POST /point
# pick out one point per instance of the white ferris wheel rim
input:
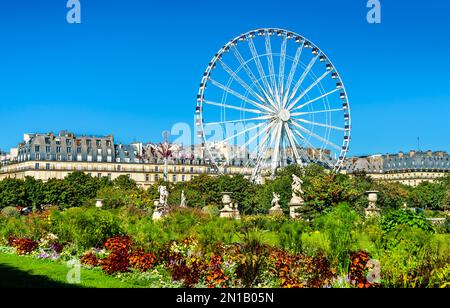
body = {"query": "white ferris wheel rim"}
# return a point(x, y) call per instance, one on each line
point(286, 113)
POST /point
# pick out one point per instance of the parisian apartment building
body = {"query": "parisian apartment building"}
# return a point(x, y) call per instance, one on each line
point(49, 155)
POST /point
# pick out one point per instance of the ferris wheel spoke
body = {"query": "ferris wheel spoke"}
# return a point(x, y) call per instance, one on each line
point(233, 107)
point(291, 139)
point(249, 72)
point(308, 132)
point(266, 117)
point(292, 73)
point(262, 152)
point(240, 96)
point(294, 102)
point(244, 131)
point(276, 150)
point(320, 124)
point(305, 142)
point(312, 148)
point(303, 76)
point(296, 114)
point(259, 67)
point(271, 66)
point(315, 99)
point(263, 131)
point(240, 81)
point(282, 66)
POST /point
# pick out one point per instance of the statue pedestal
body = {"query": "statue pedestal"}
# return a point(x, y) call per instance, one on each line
point(276, 211)
point(294, 205)
point(372, 210)
point(227, 212)
point(159, 212)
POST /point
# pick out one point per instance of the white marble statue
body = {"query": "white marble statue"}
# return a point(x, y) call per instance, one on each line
point(275, 200)
point(297, 191)
point(183, 199)
point(163, 194)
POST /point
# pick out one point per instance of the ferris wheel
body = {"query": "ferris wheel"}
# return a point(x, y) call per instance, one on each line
point(270, 98)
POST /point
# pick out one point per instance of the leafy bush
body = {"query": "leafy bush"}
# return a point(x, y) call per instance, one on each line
point(116, 262)
point(359, 270)
point(23, 245)
point(404, 217)
point(290, 236)
point(410, 257)
point(10, 211)
point(216, 277)
point(338, 226)
point(85, 227)
point(89, 259)
point(142, 261)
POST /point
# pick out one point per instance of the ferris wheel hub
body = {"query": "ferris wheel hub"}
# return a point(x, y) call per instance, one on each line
point(284, 115)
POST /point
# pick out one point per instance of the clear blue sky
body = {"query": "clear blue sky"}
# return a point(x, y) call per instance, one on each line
point(132, 68)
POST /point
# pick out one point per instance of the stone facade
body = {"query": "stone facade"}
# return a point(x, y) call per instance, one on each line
point(410, 169)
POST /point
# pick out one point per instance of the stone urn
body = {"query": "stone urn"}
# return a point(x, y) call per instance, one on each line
point(99, 203)
point(227, 211)
point(372, 210)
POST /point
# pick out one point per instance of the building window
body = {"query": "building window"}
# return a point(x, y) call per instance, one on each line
point(89, 158)
point(156, 168)
point(156, 178)
point(36, 166)
point(69, 157)
point(36, 148)
point(99, 175)
point(58, 149)
point(88, 142)
point(78, 149)
point(98, 143)
point(47, 140)
point(89, 150)
point(99, 151)
point(58, 142)
point(58, 157)
point(108, 143)
point(182, 178)
point(99, 158)
point(109, 159)
point(37, 156)
point(192, 169)
point(68, 142)
point(49, 157)
point(109, 176)
point(69, 150)
point(174, 178)
point(47, 166)
point(147, 177)
point(47, 149)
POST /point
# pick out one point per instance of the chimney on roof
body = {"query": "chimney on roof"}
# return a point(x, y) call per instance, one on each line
point(400, 154)
point(412, 153)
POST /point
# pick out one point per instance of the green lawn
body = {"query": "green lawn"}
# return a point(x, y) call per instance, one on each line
point(27, 272)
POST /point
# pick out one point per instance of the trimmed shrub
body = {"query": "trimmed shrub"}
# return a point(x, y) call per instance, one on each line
point(10, 211)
